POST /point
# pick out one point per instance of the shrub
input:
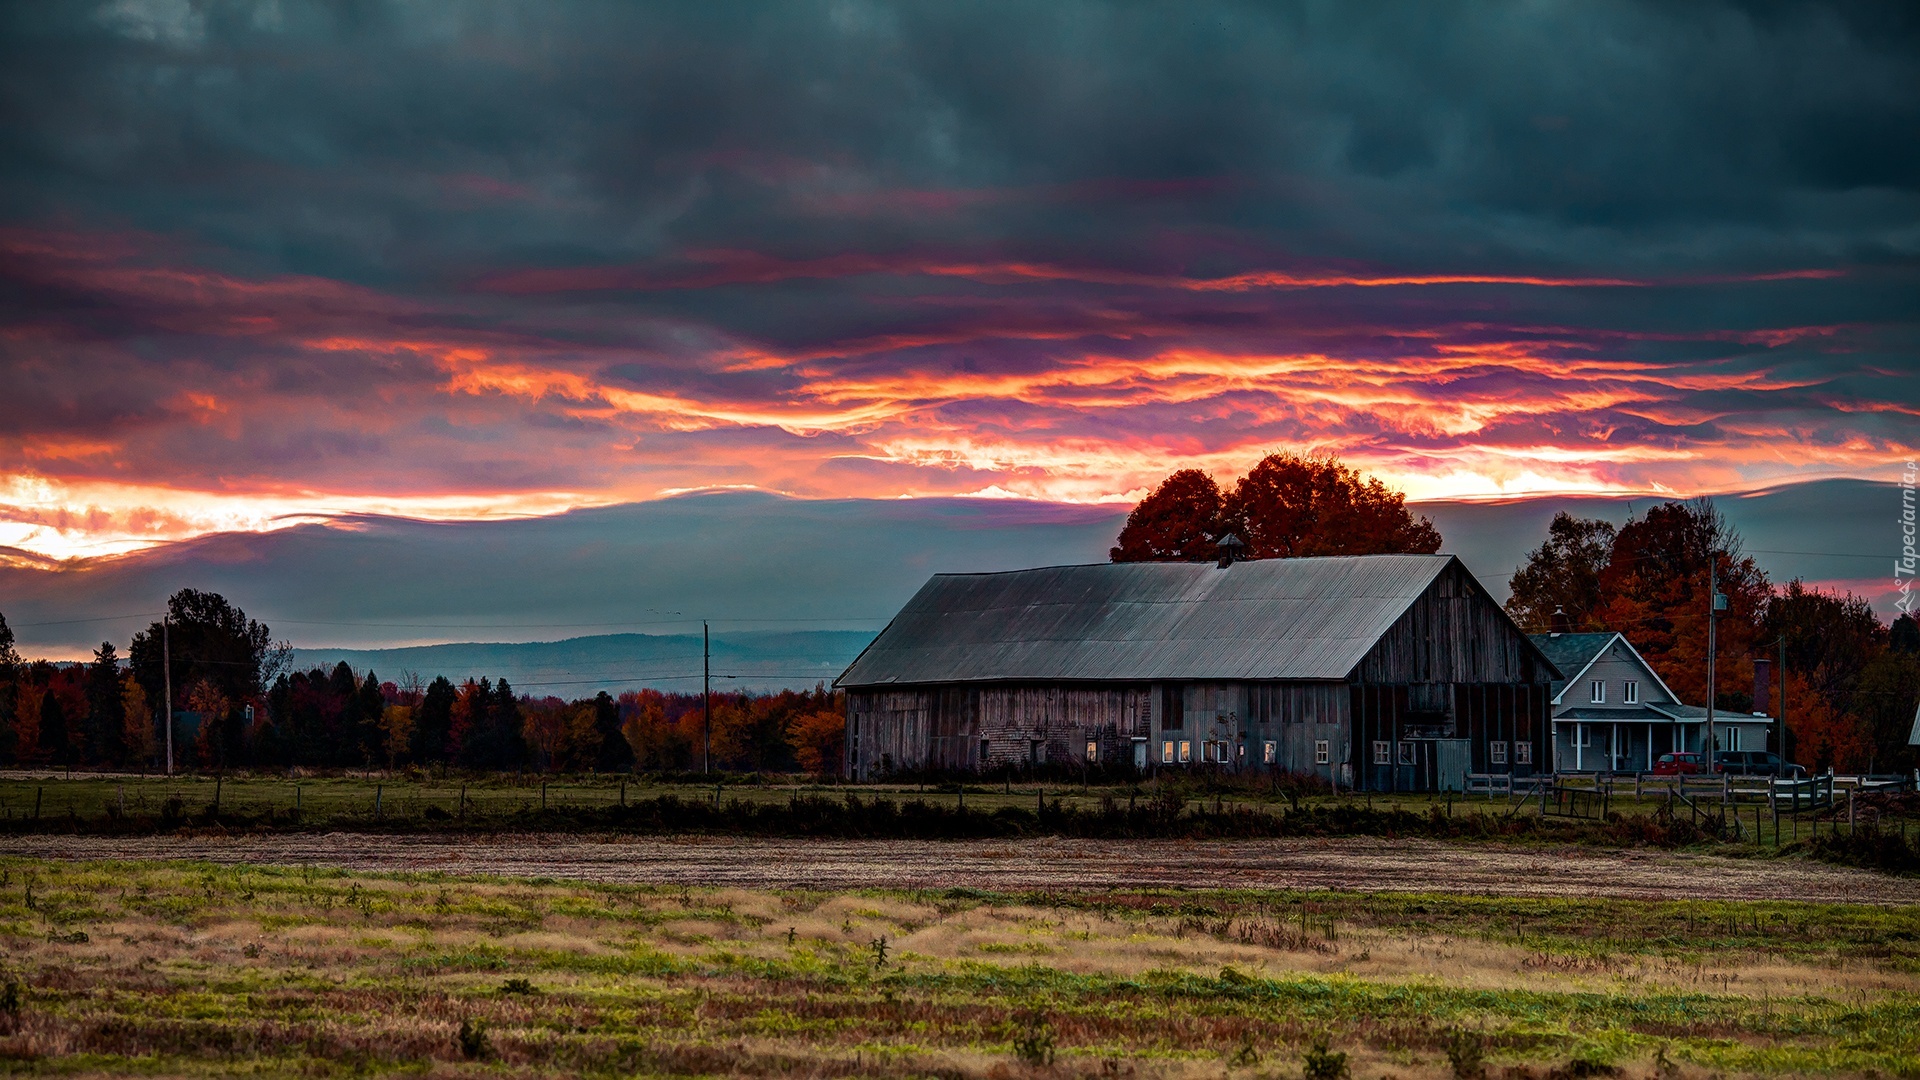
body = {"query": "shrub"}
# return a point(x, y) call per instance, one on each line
point(1033, 1044)
point(1320, 1063)
point(472, 1038)
point(1466, 1052)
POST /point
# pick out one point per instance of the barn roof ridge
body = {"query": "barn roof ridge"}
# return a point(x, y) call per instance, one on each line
point(1311, 618)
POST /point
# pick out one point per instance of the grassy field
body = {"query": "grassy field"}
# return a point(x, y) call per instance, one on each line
point(41, 803)
point(186, 969)
point(358, 800)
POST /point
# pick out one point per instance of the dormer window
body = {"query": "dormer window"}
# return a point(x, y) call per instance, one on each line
point(1630, 692)
point(1597, 693)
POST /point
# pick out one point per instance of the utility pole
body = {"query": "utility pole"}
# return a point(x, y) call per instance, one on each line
point(166, 662)
point(706, 694)
point(1713, 613)
point(1780, 719)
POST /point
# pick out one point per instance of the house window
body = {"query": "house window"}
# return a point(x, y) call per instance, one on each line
point(1093, 751)
point(1523, 753)
point(1320, 752)
point(1497, 753)
point(1186, 751)
point(1382, 752)
point(1630, 692)
point(1582, 737)
point(1166, 750)
point(1733, 738)
point(1406, 753)
point(1269, 752)
point(1598, 692)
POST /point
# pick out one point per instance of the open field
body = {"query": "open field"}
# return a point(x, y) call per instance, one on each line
point(1046, 863)
point(200, 969)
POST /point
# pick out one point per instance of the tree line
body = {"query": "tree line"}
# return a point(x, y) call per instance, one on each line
point(238, 704)
point(1851, 681)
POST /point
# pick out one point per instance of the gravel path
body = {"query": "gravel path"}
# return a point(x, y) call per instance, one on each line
point(1049, 863)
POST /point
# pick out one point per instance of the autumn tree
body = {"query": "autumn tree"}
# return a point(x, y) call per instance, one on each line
point(819, 739)
point(137, 734)
point(657, 742)
point(1831, 640)
point(1287, 506)
point(1563, 575)
point(1290, 506)
point(1178, 522)
point(1655, 584)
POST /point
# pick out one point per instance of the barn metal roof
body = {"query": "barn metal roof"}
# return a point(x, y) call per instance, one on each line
point(1312, 618)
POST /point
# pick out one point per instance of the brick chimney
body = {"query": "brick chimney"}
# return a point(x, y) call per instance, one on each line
point(1763, 686)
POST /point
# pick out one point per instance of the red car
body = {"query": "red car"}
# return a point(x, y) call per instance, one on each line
point(1685, 762)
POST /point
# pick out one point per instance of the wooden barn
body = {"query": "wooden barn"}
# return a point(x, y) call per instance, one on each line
point(1382, 672)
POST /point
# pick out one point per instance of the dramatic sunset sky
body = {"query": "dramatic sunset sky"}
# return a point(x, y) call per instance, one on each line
point(266, 262)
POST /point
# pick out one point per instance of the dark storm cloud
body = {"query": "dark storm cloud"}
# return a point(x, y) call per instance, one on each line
point(596, 251)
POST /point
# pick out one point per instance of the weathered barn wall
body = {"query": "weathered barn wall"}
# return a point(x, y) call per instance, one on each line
point(1452, 633)
point(980, 727)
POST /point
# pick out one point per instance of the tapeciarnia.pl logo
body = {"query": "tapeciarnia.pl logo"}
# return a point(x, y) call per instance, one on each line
point(1904, 565)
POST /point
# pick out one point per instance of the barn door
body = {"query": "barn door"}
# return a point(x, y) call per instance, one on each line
point(1452, 760)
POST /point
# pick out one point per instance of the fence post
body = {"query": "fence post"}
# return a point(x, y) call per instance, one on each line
point(377, 788)
point(463, 802)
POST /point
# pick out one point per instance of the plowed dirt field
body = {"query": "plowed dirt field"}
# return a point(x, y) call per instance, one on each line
point(1051, 863)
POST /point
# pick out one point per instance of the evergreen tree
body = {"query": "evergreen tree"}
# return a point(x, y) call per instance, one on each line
point(433, 723)
point(106, 708)
point(55, 742)
point(613, 754)
point(505, 717)
point(371, 704)
point(9, 694)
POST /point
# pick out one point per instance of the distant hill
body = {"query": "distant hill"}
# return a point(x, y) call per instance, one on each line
point(750, 561)
point(583, 666)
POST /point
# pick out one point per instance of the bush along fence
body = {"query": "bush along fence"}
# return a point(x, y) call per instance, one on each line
point(1165, 814)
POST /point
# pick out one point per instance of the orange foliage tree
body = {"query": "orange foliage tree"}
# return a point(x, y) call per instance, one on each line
point(1286, 506)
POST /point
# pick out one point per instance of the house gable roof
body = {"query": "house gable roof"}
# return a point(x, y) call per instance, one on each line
point(1575, 653)
point(1309, 619)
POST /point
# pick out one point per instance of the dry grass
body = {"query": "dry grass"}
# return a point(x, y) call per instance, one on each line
point(182, 969)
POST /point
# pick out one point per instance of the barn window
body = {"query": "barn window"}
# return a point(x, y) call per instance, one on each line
point(1406, 753)
point(1382, 752)
point(1321, 754)
point(1497, 753)
point(1269, 753)
point(1522, 753)
point(983, 751)
point(1186, 751)
point(1597, 692)
point(1166, 750)
point(1630, 692)
point(1093, 750)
